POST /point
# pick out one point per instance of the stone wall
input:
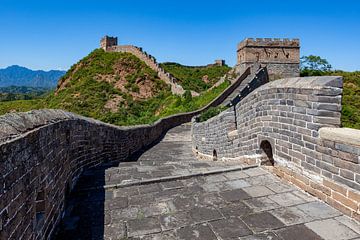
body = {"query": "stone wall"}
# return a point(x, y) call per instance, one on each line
point(151, 62)
point(333, 171)
point(282, 70)
point(289, 117)
point(43, 152)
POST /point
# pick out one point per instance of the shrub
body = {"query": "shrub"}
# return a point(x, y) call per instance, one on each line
point(187, 97)
point(211, 112)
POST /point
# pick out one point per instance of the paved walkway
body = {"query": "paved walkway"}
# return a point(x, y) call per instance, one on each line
point(169, 194)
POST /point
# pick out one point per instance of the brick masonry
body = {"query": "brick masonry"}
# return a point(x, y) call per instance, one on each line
point(43, 152)
point(293, 116)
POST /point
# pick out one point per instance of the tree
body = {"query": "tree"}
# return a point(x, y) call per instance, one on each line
point(314, 63)
point(187, 96)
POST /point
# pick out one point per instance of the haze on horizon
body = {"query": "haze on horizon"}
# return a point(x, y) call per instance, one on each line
point(56, 34)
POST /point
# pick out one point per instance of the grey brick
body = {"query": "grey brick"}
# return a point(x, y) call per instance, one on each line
point(347, 182)
point(327, 120)
point(327, 167)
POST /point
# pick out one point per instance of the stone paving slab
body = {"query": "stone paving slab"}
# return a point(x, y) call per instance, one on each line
point(245, 204)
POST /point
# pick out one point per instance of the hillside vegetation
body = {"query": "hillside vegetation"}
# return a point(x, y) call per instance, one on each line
point(12, 93)
point(351, 99)
point(316, 66)
point(116, 88)
point(197, 79)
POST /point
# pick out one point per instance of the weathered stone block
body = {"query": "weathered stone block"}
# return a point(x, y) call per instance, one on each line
point(344, 200)
point(335, 187)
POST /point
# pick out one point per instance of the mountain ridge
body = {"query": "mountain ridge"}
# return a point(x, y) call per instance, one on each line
point(16, 75)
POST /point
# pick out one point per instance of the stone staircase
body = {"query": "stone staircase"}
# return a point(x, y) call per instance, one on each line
point(256, 76)
point(151, 62)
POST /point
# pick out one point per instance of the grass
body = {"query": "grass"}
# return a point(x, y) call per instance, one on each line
point(20, 105)
point(350, 115)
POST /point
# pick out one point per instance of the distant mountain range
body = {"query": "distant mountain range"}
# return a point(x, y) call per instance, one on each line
point(20, 76)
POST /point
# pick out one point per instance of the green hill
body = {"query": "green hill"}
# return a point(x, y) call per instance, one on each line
point(198, 78)
point(116, 88)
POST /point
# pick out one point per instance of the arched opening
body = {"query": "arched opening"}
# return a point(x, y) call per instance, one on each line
point(214, 155)
point(268, 158)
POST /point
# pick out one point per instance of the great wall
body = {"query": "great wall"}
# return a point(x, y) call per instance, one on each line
point(276, 164)
point(111, 44)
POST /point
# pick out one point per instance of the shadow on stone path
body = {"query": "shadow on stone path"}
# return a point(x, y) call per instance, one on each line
point(245, 204)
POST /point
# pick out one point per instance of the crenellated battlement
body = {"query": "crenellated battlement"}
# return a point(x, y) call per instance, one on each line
point(269, 42)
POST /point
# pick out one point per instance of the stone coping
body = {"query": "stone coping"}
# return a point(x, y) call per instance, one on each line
point(305, 82)
point(344, 135)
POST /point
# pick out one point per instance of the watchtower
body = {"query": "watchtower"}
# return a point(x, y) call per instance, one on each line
point(280, 56)
point(219, 62)
point(107, 41)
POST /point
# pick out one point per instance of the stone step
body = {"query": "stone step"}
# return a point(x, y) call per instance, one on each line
point(183, 175)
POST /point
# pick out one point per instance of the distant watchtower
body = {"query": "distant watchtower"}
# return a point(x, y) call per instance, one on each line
point(281, 56)
point(220, 62)
point(107, 41)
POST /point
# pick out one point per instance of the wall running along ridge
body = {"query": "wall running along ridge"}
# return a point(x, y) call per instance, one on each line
point(43, 152)
point(151, 62)
point(299, 118)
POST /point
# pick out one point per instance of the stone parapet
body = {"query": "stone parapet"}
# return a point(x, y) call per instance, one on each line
point(299, 119)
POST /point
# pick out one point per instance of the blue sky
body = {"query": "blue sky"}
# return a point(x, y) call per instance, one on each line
point(56, 34)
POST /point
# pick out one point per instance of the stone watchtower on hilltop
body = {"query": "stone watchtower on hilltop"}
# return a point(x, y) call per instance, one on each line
point(280, 56)
point(107, 41)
